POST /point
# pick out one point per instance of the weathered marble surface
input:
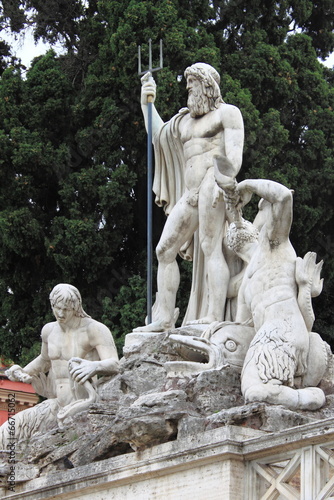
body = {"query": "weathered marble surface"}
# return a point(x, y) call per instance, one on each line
point(75, 348)
point(141, 407)
point(182, 383)
point(198, 155)
point(186, 148)
point(243, 463)
point(282, 361)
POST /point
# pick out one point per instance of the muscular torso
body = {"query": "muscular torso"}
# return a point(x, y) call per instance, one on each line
point(202, 139)
point(61, 347)
point(269, 285)
point(66, 344)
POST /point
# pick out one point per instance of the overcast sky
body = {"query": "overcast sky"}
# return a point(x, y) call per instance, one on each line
point(25, 48)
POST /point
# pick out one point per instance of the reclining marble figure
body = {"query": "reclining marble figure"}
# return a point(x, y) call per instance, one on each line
point(74, 349)
point(285, 360)
point(184, 184)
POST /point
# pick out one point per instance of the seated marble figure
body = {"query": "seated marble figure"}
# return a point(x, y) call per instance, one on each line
point(74, 349)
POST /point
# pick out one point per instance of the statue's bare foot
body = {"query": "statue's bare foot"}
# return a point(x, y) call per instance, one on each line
point(155, 327)
point(207, 320)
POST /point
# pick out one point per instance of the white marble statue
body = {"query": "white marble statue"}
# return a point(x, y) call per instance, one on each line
point(271, 340)
point(186, 149)
point(275, 294)
point(222, 345)
point(74, 349)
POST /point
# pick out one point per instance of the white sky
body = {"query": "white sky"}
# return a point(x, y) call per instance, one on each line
point(26, 49)
point(329, 61)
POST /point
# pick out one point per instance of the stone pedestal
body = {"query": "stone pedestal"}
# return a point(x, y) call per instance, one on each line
point(230, 463)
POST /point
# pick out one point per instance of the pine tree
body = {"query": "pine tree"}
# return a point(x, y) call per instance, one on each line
point(73, 143)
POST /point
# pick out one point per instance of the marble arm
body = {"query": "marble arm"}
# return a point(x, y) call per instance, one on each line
point(38, 365)
point(227, 166)
point(276, 204)
point(233, 140)
point(148, 94)
point(269, 190)
point(35, 367)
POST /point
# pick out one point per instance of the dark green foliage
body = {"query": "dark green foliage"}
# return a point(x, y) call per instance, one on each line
point(73, 143)
point(66, 199)
point(127, 310)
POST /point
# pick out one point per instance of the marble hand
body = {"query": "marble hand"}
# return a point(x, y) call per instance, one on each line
point(81, 369)
point(148, 89)
point(16, 374)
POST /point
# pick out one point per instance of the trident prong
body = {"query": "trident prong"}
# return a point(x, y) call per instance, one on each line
point(150, 68)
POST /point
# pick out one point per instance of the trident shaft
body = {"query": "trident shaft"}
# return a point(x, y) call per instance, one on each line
point(149, 175)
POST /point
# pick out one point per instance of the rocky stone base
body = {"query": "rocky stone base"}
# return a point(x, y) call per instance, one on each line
point(231, 462)
point(141, 408)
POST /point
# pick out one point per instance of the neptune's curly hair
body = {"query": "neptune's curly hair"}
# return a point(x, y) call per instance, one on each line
point(210, 80)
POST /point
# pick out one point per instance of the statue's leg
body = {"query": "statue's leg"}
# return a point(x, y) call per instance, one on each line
point(264, 375)
point(273, 392)
point(318, 360)
point(211, 234)
point(179, 228)
point(39, 418)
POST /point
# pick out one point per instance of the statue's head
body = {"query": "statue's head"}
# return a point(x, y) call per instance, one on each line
point(68, 296)
point(209, 97)
point(239, 234)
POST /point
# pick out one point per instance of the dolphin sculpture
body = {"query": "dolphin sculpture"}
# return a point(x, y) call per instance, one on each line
point(222, 345)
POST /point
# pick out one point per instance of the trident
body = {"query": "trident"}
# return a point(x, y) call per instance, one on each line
point(149, 174)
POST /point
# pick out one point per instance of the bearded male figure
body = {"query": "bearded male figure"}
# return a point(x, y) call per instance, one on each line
point(186, 150)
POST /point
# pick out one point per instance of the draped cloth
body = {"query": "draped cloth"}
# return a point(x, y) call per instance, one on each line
point(168, 187)
point(168, 182)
